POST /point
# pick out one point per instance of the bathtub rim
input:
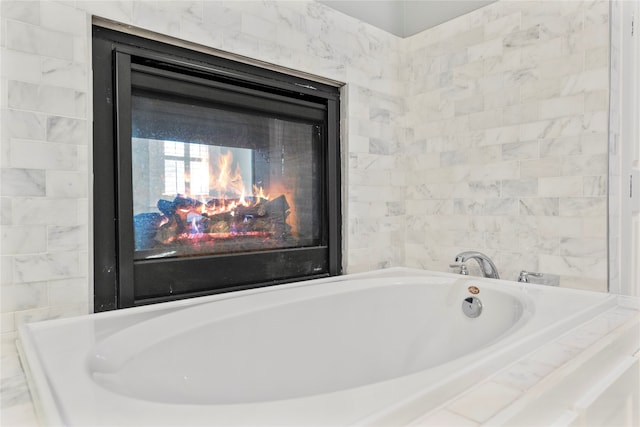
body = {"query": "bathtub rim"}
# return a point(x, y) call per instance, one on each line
point(50, 412)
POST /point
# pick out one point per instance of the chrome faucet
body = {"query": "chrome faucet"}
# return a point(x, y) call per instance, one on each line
point(488, 267)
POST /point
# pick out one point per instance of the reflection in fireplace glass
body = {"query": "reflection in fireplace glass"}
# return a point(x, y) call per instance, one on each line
point(208, 180)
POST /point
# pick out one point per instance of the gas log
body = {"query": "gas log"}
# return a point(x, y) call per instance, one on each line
point(189, 222)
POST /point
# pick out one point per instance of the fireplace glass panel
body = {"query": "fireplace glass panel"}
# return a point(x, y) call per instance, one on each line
point(210, 180)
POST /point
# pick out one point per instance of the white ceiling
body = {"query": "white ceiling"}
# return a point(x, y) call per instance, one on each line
point(405, 17)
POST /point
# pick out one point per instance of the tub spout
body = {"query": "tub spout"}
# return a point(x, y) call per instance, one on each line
point(488, 267)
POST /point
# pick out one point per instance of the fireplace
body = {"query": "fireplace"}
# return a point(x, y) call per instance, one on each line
point(210, 175)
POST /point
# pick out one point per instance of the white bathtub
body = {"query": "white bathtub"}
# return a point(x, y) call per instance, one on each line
point(387, 345)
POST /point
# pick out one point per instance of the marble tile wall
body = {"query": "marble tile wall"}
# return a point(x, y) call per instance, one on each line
point(507, 152)
point(487, 132)
point(46, 128)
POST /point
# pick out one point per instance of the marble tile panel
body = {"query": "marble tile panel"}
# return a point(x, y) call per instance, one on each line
point(67, 238)
point(68, 291)
point(494, 170)
point(23, 296)
point(23, 11)
point(503, 26)
point(117, 10)
point(539, 206)
point(480, 403)
point(501, 206)
point(596, 101)
point(29, 211)
point(22, 182)
point(549, 227)
point(595, 185)
point(48, 266)
point(560, 107)
point(41, 41)
point(63, 18)
point(156, 18)
point(525, 37)
point(587, 81)
point(443, 418)
point(596, 122)
point(63, 73)
point(561, 67)
point(46, 99)
point(485, 119)
point(561, 147)
point(560, 186)
point(488, 189)
point(468, 206)
point(520, 150)
point(576, 247)
point(548, 166)
point(583, 206)
point(6, 210)
point(23, 124)
point(520, 113)
point(21, 66)
point(523, 374)
point(595, 227)
point(555, 354)
point(19, 239)
point(526, 187)
point(65, 184)
point(500, 135)
point(582, 267)
point(543, 88)
point(43, 155)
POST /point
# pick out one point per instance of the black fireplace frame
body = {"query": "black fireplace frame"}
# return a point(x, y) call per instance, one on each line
point(119, 280)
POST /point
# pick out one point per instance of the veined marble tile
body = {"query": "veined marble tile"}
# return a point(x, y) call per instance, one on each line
point(23, 239)
point(560, 107)
point(23, 296)
point(23, 11)
point(21, 66)
point(67, 238)
point(64, 73)
point(23, 182)
point(46, 99)
point(43, 155)
point(65, 184)
point(561, 147)
point(583, 206)
point(595, 185)
point(29, 211)
point(524, 374)
point(23, 124)
point(526, 187)
point(585, 267)
point(595, 248)
point(520, 150)
point(150, 16)
point(117, 10)
point(483, 401)
point(68, 291)
point(560, 186)
point(35, 39)
point(49, 266)
point(538, 206)
point(63, 18)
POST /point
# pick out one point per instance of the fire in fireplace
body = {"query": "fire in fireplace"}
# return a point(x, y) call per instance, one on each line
point(210, 175)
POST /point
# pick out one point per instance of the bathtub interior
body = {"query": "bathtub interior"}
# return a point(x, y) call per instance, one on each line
point(301, 348)
point(353, 362)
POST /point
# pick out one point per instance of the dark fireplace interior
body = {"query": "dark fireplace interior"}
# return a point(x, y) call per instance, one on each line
point(209, 175)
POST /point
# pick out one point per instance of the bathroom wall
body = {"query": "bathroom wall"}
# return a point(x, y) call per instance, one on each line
point(46, 128)
point(508, 154)
point(502, 147)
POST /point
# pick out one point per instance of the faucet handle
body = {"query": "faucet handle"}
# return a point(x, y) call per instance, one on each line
point(524, 276)
point(463, 268)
